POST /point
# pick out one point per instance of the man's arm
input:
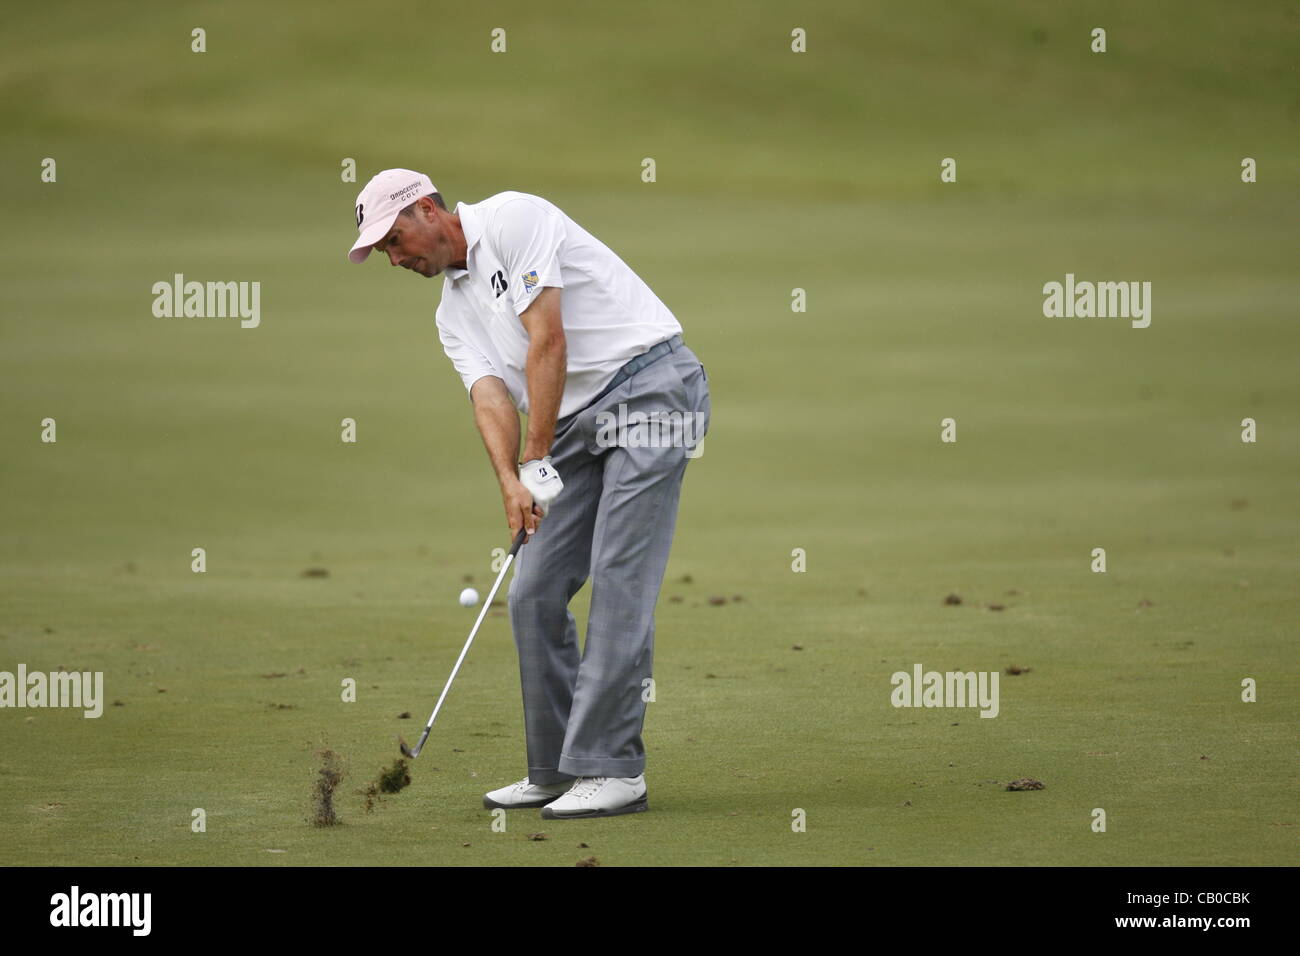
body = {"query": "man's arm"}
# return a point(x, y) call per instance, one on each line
point(498, 423)
point(546, 370)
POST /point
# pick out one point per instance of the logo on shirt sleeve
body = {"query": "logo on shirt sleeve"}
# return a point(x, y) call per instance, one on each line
point(530, 281)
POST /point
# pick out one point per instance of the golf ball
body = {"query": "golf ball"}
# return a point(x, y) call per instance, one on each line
point(468, 597)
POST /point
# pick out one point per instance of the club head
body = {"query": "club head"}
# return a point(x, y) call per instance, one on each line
point(406, 751)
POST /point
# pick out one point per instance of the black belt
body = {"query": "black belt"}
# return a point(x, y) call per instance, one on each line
point(635, 365)
point(638, 363)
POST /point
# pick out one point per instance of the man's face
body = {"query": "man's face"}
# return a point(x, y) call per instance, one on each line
point(419, 242)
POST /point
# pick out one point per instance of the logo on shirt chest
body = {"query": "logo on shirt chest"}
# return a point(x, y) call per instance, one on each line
point(499, 284)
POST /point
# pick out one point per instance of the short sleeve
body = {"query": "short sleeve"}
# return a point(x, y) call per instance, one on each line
point(470, 363)
point(530, 241)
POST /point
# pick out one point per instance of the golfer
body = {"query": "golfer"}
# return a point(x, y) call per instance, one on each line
point(538, 316)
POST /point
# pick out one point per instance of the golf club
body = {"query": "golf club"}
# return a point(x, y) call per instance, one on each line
point(412, 753)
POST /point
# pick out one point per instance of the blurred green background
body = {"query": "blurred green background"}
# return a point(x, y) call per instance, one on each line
point(775, 171)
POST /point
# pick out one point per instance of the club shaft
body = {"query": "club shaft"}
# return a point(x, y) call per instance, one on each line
point(465, 650)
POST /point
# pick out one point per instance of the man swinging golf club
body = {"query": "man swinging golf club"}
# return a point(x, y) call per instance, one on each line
point(538, 316)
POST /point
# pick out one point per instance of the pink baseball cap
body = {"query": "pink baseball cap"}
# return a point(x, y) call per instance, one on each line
point(387, 194)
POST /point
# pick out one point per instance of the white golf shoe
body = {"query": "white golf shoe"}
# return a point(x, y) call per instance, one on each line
point(523, 795)
point(599, 797)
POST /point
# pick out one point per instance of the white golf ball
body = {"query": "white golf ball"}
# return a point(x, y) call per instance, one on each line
point(468, 597)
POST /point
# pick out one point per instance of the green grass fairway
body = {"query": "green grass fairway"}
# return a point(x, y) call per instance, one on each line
point(775, 171)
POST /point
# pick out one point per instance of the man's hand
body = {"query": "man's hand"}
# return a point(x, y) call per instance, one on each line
point(542, 481)
point(498, 423)
point(529, 499)
point(521, 512)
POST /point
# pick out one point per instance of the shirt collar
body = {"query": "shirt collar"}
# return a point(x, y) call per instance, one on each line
point(473, 229)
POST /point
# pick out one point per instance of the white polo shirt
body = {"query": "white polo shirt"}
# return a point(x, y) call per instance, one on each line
point(517, 244)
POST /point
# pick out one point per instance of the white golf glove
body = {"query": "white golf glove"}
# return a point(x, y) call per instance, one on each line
point(542, 481)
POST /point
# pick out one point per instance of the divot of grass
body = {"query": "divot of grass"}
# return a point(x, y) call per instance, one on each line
point(329, 776)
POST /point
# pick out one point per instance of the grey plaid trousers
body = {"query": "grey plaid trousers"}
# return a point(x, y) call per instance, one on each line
point(614, 523)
